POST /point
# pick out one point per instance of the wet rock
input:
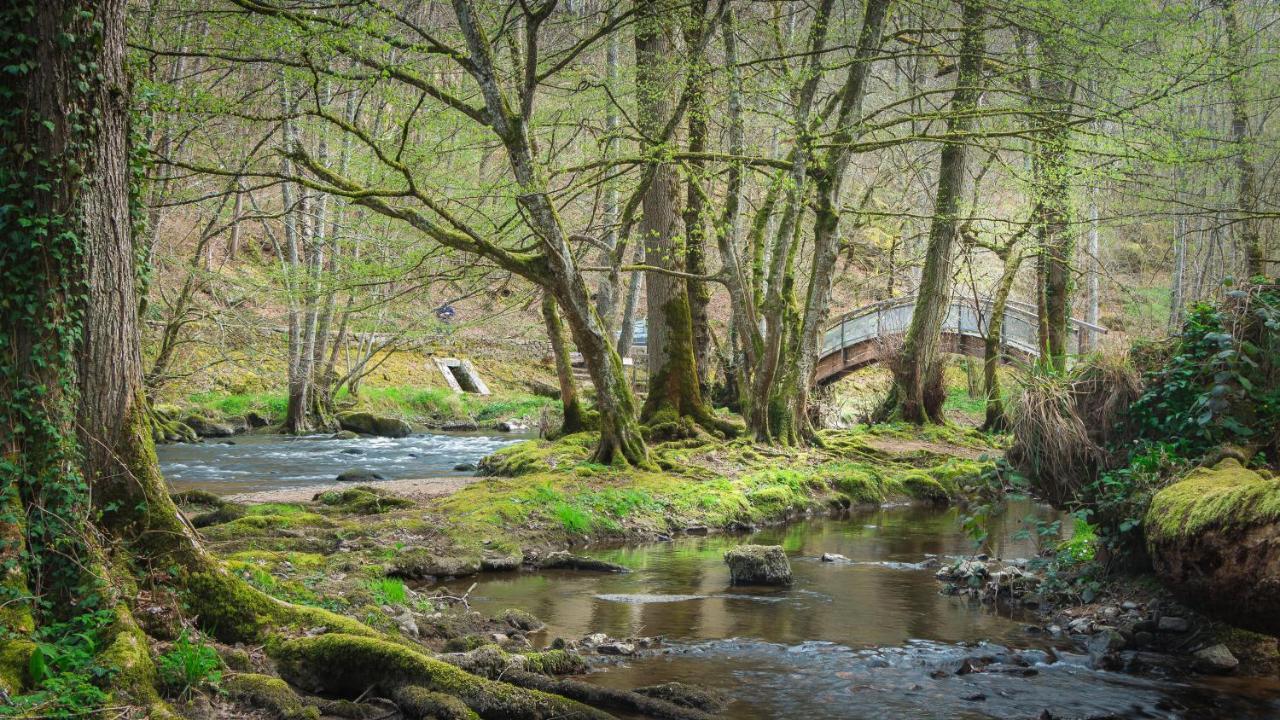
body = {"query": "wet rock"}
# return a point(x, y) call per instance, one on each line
point(464, 467)
point(359, 475)
point(738, 526)
point(594, 639)
point(1171, 624)
point(968, 572)
point(418, 564)
point(833, 557)
point(501, 562)
point(616, 648)
point(521, 620)
point(460, 426)
point(352, 451)
point(404, 620)
point(1143, 638)
point(370, 424)
point(255, 420)
point(1214, 539)
point(696, 530)
point(676, 693)
point(1103, 648)
point(758, 565)
point(1215, 659)
point(563, 560)
point(205, 427)
point(345, 435)
point(511, 426)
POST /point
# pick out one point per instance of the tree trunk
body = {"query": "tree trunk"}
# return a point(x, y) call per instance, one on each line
point(1053, 229)
point(1246, 189)
point(992, 344)
point(695, 210)
point(674, 390)
point(574, 420)
point(917, 393)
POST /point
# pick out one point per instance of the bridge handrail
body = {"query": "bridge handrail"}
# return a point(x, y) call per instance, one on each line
point(1020, 310)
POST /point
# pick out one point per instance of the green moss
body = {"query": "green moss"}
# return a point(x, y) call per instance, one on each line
point(922, 486)
point(348, 665)
point(420, 702)
point(538, 456)
point(15, 656)
point(134, 679)
point(555, 662)
point(233, 611)
point(1227, 495)
point(362, 500)
point(271, 694)
point(251, 525)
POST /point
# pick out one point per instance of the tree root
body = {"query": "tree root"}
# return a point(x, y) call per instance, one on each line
point(349, 665)
point(271, 694)
point(490, 661)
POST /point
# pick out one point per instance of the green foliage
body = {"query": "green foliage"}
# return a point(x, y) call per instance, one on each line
point(389, 591)
point(1222, 385)
point(64, 670)
point(574, 519)
point(189, 665)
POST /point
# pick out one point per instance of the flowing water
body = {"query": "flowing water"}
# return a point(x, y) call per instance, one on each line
point(252, 463)
point(868, 638)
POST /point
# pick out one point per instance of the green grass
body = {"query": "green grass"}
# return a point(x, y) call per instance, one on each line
point(389, 591)
point(269, 404)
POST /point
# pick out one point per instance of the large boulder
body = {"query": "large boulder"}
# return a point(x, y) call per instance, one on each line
point(1214, 539)
point(370, 424)
point(758, 565)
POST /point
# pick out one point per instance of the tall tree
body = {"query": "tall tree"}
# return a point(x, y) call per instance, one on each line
point(917, 392)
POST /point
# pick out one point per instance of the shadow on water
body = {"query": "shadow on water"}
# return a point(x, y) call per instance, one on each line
point(253, 463)
point(868, 638)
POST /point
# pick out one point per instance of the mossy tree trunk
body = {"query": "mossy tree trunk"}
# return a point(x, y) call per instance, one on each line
point(1051, 169)
point(917, 392)
point(1246, 173)
point(992, 343)
point(573, 416)
point(695, 204)
point(674, 389)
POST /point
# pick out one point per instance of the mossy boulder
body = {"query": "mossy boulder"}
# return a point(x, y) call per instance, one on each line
point(1214, 539)
point(370, 424)
point(758, 565)
point(362, 500)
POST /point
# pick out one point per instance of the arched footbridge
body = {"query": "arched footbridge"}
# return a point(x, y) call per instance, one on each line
point(870, 334)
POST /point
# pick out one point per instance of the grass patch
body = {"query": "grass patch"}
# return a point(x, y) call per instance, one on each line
point(389, 591)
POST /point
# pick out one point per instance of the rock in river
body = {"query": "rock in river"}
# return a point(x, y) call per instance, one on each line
point(1214, 539)
point(370, 424)
point(204, 427)
point(359, 475)
point(758, 565)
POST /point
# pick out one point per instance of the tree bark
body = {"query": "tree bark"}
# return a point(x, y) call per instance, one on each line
point(917, 393)
point(695, 210)
point(574, 420)
point(1053, 228)
point(674, 389)
point(1247, 174)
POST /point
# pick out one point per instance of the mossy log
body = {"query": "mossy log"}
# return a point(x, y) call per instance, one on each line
point(349, 665)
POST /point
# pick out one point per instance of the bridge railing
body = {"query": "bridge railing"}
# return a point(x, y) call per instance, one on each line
point(964, 317)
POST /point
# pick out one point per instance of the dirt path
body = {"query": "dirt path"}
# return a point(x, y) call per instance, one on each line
point(412, 488)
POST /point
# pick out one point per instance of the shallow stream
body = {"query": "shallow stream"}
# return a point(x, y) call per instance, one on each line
point(868, 638)
point(253, 463)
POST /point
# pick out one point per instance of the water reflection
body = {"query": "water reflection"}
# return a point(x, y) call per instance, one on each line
point(870, 638)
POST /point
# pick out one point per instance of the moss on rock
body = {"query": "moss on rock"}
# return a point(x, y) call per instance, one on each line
point(1228, 495)
point(362, 500)
point(271, 694)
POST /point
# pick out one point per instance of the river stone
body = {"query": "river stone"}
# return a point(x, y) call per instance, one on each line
point(564, 560)
point(420, 563)
point(1216, 659)
point(833, 557)
point(1214, 539)
point(345, 435)
point(1173, 624)
point(1103, 647)
point(370, 424)
point(204, 427)
point(359, 475)
point(464, 467)
point(699, 698)
point(758, 565)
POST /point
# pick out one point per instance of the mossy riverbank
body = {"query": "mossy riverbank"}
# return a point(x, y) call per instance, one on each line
point(353, 551)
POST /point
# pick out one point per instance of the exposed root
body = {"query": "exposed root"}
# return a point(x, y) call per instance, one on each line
point(350, 665)
point(271, 694)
